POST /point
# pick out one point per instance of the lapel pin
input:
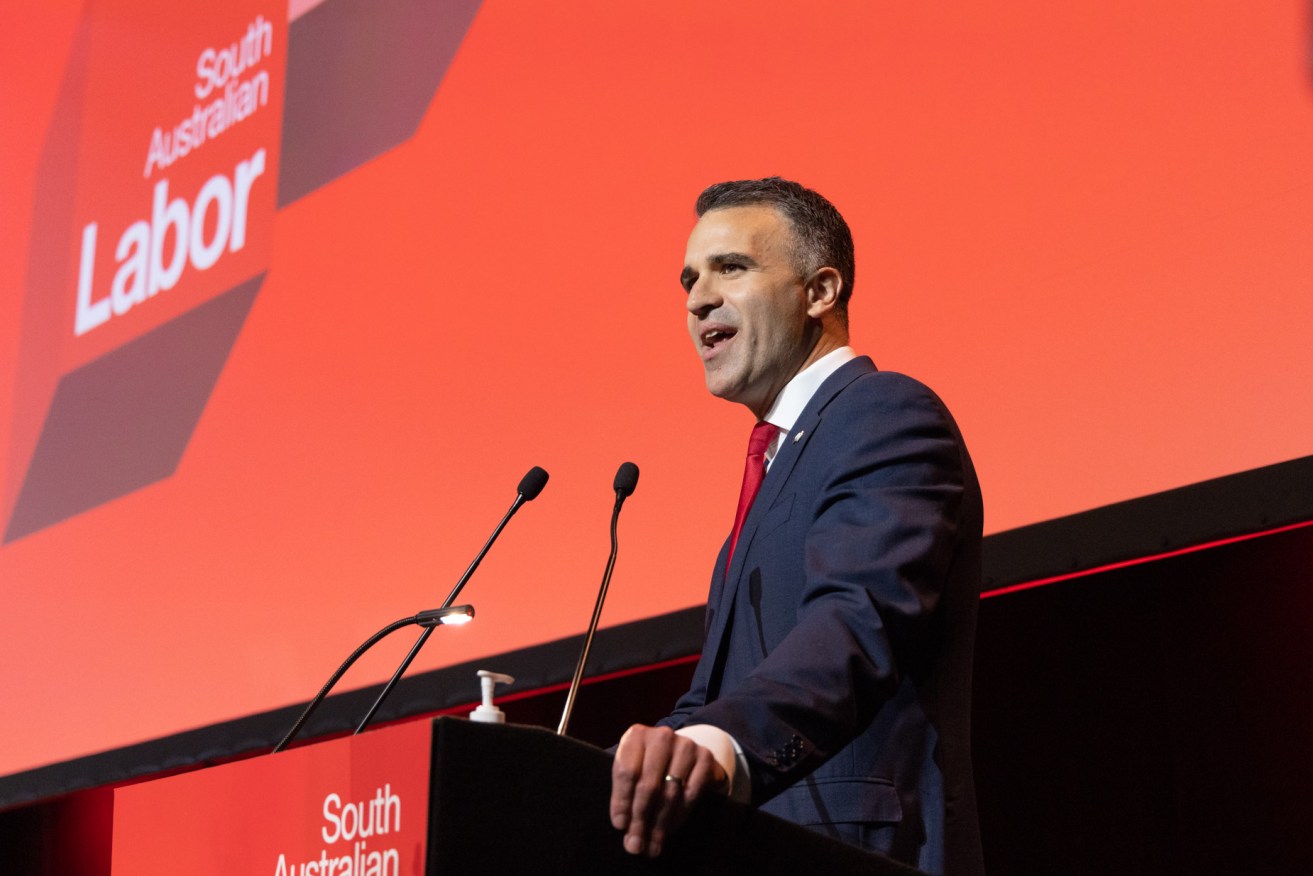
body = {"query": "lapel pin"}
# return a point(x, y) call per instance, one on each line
point(798, 435)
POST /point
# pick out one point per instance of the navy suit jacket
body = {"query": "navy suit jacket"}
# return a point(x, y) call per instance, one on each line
point(839, 644)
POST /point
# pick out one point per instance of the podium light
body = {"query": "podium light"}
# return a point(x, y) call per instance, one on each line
point(452, 616)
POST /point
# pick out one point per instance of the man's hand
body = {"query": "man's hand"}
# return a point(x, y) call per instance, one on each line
point(656, 778)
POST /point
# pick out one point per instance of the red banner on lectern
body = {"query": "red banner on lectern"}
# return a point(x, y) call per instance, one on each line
point(349, 807)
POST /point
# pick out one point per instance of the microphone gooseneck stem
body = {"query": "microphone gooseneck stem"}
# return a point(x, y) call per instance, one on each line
point(424, 636)
point(592, 624)
point(455, 591)
point(396, 676)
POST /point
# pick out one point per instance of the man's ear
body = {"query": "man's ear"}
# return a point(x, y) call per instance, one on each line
point(823, 292)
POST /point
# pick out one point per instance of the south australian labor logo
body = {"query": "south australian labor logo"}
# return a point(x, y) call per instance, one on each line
point(178, 133)
point(151, 231)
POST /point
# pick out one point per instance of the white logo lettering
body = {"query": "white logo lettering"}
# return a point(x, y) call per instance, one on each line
point(144, 268)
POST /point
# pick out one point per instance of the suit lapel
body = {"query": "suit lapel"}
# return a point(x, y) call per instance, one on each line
point(777, 476)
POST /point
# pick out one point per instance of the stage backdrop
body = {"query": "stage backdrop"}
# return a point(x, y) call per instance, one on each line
point(293, 297)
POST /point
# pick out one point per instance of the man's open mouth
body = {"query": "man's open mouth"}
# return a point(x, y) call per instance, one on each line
point(714, 336)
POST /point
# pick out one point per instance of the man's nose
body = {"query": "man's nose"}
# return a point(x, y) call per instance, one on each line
point(702, 298)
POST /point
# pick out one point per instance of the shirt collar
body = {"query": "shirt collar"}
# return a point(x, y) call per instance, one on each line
point(793, 399)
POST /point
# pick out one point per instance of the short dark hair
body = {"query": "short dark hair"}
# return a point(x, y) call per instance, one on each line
point(822, 238)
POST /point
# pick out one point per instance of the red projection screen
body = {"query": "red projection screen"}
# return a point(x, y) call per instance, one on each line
point(294, 297)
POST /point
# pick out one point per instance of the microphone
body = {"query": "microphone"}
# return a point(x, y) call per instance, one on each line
point(626, 479)
point(533, 482)
point(530, 486)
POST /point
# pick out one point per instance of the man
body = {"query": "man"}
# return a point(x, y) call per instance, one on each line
point(834, 683)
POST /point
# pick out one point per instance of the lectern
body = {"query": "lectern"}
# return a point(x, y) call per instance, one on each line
point(440, 797)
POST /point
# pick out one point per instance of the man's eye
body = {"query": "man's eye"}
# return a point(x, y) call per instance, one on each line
point(730, 268)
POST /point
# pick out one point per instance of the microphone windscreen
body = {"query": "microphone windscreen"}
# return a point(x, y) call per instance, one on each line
point(626, 479)
point(532, 484)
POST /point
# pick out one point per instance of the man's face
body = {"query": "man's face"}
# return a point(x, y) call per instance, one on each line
point(747, 305)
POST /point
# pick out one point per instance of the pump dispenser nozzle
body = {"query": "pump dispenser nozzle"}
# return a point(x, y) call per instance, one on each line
point(487, 713)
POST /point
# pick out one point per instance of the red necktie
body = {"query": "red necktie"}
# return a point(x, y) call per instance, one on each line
point(754, 471)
